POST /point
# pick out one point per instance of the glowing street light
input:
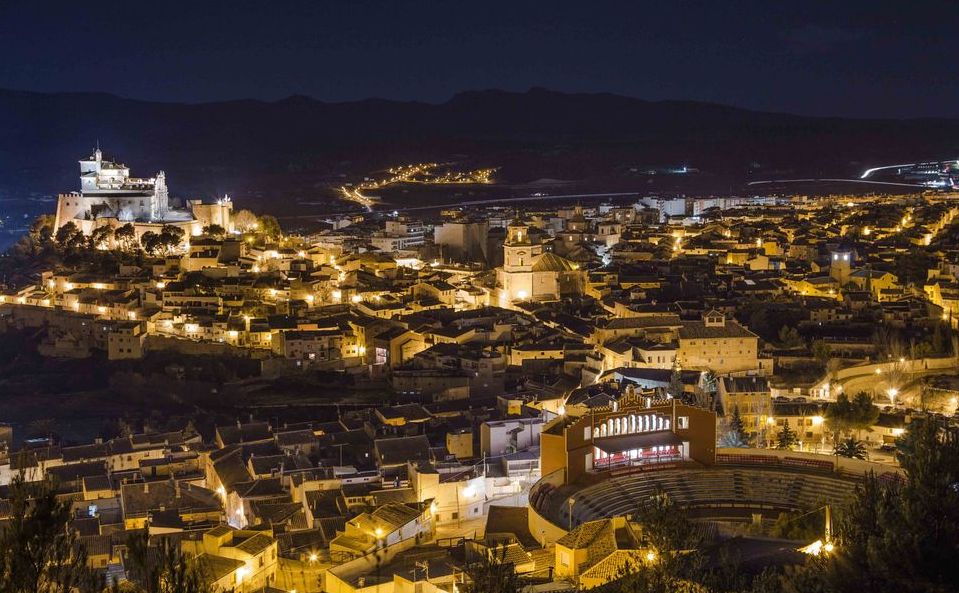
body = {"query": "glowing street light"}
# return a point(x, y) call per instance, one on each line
point(892, 392)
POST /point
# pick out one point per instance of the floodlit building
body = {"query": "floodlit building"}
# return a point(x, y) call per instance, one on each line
point(529, 273)
point(110, 196)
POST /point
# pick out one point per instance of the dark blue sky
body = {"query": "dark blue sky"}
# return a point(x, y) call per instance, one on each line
point(846, 58)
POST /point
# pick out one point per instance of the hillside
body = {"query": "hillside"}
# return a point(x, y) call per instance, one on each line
point(301, 145)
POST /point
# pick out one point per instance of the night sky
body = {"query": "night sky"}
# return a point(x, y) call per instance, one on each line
point(846, 58)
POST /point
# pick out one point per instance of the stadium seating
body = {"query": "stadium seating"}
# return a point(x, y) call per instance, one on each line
point(715, 492)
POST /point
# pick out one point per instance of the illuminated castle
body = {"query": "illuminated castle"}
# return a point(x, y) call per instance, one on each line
point(109, 196)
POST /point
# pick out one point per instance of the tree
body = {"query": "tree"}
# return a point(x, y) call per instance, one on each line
point(903, 535)
point(676, 388)
point(126, 237)
point(840, 416)
point(674, 559)
point(163, 567)
point(821, 351)
point(244, 221)
point(270, 226)
point(69, 237)
point(789, 337)
point(214, 230)
point(100, 237)
point(787, 438)
point(863, 414)
point(737, 426)
point(732, 440)
point(150, 241)
point(171, 237)
point(851, 448)
point(41, 229)
point(38, 554)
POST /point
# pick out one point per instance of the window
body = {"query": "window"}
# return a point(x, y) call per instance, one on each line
point(587, 433)
point(682, 422)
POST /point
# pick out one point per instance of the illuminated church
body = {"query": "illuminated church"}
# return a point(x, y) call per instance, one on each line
point(109, 196)
point(530, 273)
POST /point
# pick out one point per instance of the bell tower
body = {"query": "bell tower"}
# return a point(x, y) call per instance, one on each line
point(518, 250)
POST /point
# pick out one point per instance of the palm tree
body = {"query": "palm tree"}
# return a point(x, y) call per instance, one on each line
point(851, 448)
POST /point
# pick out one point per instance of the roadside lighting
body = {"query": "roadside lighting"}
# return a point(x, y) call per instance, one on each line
point(313, 557)
point(650, 556)
point(817, 420)
point(521, 295)
point(829, 547)
point(561, 411)
point(379, 533)
point(892, 392)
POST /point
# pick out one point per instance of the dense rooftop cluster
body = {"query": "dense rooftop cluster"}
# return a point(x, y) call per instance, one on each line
point(495, 337)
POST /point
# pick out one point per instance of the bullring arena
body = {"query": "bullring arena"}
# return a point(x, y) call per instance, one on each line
point(609, 461)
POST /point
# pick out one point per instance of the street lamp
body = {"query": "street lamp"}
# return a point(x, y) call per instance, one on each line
point(892, 392)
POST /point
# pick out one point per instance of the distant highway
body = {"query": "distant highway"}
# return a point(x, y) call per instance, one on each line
point(869, 172)
point(772, 181)
point(523, 199)
point(396, 208)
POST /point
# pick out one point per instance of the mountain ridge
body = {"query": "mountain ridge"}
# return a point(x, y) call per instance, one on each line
point(298, 142)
